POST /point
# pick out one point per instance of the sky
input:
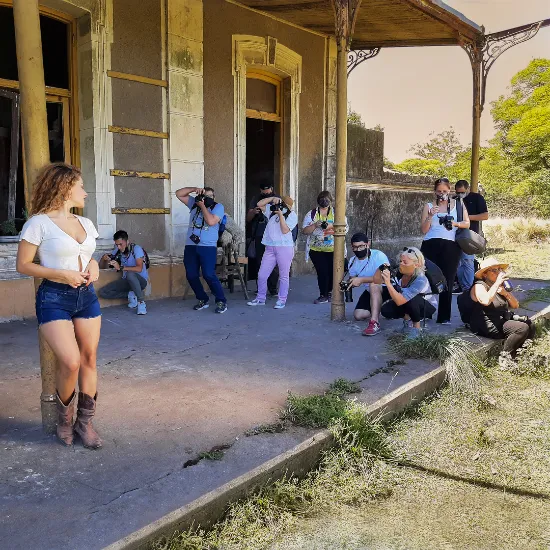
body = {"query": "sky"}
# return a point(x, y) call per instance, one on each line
point(412, 92)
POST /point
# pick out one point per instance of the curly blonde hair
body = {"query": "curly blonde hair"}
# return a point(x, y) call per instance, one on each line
point(52, 186)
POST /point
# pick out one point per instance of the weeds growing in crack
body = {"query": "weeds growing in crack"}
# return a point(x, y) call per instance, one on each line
point(343, 386)
point(349, 474)
point(275, 428)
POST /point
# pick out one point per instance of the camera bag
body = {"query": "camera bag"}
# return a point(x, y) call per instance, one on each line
point(438, 282)
point(469, 241)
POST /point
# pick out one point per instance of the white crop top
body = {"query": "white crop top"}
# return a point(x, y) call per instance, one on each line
point(57, 249)
point(438, 231)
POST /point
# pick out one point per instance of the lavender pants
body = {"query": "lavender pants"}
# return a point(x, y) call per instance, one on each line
point(275, 255)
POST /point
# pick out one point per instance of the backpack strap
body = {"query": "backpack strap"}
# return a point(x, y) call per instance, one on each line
point(459, 210)
point(313, 212)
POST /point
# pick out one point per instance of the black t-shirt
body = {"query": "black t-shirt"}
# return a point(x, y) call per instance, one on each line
point(475, 204)
point(256, 227)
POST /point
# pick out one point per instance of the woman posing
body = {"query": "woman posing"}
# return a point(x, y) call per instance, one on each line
point(67, 308)
point(318, 225)
point(439, 244)
point(491, 313)
point(279, 248)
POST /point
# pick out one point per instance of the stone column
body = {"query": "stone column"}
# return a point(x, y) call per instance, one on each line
point(330, 115)
point(34, 126)
point(185, 108)
point(476, 119)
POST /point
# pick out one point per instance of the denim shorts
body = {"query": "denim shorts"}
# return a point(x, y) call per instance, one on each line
point(60, 302)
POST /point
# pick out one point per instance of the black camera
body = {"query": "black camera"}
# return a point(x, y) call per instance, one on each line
point(116, 258)
point(195, 238)
point(394, 270)
point(277, 206)
point(200, 197)
point(447, 221)
point(348, 292)
point(324, 225)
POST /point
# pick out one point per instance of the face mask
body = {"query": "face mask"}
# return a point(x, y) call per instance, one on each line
point(324, 203)
point(462, 195)
point(361, 253)
point(268, 194)
point(209, 202)
point(407, 269)
point(442, 196)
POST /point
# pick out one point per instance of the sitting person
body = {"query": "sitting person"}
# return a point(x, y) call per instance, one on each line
point(491, 314)
point(131, 260)
point(408, 292)
point(361, 270)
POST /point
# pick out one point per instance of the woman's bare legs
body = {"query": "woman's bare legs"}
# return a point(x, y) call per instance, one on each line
point(87, 333)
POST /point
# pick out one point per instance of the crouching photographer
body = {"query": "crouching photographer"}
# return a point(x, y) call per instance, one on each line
point(492, 312)
point(408, 287)
point(132, 261)
point(362, 269)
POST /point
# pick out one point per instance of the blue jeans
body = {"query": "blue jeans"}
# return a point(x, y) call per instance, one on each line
point(60, 302)
point(202, 258)
point(465, 272)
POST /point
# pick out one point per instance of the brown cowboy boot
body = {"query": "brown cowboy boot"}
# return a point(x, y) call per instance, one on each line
point(65, 419)
point(83, 425)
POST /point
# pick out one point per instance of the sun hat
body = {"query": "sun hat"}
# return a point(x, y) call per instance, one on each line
point(288, 201)
point(488, 263)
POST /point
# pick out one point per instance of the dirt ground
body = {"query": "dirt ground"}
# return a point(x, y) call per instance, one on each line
point(480, 478)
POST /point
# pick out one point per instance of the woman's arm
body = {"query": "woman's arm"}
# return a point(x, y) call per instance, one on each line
point(426, 220)
point(282, 221)
point(264, 202)
point(25, 256)
point(484, 296)
point(92, 269)
point(509, 297)
point(397, 297)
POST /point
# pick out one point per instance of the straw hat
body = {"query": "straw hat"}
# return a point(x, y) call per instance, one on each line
point(488, 263)
point(288, 201)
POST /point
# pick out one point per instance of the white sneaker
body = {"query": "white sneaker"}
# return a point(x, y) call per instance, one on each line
point(255, 302)
point(132, 299)
point(279, 305)
point(141, 308)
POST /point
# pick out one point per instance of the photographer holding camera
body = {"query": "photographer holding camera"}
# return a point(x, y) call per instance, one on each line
point(362, 269)
point(201, 244)
point(279, 247)
point(131, 260)
point(256, 221)
point(492, 314)
point(407, 286)
point(439, 227)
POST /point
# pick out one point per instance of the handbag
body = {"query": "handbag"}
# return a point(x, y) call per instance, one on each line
point(469, 241)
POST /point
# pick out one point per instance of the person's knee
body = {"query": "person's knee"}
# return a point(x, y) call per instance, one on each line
point(69, 365)
point(88, 358)
point(361, 314)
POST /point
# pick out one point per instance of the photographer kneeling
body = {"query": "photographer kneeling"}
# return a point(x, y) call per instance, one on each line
point(361, 270)
point(407, 289)
point(131, 260)
point(491, 314)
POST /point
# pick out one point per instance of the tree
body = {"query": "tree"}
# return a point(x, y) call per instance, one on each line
point(378, 128)
point(421, 167)
point(443, 147)
point(354, 117)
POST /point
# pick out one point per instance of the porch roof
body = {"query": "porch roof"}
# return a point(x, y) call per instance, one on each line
point(380, 23)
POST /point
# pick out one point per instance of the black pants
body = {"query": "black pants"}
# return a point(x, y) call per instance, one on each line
point(514, 333)
point(446, 255)
point(254, 267)
point(323, 263)
point(416, 309)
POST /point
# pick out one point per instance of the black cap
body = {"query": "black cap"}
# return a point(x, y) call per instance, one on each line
point(265, 185)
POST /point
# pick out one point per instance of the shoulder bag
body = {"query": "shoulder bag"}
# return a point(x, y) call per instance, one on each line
point(469, 241)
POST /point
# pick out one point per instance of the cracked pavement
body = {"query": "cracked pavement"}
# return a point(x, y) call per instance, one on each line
point(172, 384)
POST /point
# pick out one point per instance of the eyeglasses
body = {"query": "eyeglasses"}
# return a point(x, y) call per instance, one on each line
point(441, 180)
point(410, 251)
point(358, 248)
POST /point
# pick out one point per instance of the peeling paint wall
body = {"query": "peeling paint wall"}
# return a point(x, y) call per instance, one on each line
point(221, 21)
point(365, 153)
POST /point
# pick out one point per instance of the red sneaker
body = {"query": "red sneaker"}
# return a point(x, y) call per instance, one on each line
point(372, 329)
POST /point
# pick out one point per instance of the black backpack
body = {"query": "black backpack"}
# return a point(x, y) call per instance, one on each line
point(465, 306)
point(145, 255)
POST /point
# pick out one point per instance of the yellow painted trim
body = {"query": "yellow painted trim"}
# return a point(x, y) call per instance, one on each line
point(137, 132)
point(252, 113)
point(138, 174)
point(317, 33)
point(123, 210)
point(137, 78)
point(14, 85)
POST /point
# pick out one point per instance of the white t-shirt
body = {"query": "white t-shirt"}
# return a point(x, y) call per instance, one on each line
point(273, 235)
point(438, 231)
point(367, 266)
point(57, 249)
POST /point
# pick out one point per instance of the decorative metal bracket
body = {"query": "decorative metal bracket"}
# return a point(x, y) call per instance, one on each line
point(492, 46)
point(356, 57)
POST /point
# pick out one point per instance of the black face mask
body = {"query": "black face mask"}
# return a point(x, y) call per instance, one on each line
point(209, 202)
point(361, 253)
point(324, 203)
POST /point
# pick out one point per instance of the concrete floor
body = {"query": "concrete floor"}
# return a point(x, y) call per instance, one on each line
point(173, 384)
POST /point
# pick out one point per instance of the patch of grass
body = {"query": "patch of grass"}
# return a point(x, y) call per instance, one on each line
point(519, 231)
point(211, 455)
point(349, 474)
point(533, 359)
point(275, 428)
point(343, 386)
point(313, 411)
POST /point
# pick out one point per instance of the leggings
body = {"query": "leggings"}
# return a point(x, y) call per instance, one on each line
point(515, 333)
point(446, 255)
point(281, 256)
point(323, 262)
